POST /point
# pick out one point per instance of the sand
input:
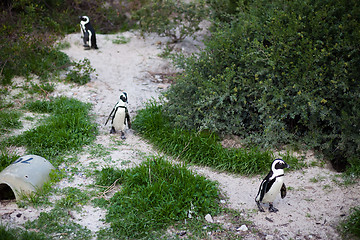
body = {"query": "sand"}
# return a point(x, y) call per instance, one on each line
point(316, 201)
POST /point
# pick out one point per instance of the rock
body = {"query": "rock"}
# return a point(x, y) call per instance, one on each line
point(269, 237)
point(209, 218)
point(243, 228)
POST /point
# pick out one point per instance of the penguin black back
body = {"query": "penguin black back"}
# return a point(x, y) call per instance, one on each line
point(88, 33)
point(272, 185)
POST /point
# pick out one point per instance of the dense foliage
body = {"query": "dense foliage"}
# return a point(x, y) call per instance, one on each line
point(176, 19)
point(278, 73)
point(350, 227)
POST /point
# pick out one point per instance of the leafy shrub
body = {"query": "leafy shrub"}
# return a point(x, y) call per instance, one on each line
point(29, 55)
point(80, 72)
point(350, 228)
point(42, 88)
point(279, 73)
point(171, 18)
point(155, 195)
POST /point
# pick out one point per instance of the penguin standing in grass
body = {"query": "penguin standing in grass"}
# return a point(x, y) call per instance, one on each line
point(87, 33)
point(272, 185)
point(119, 116)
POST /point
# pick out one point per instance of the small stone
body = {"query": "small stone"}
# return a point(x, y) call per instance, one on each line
point(269, 237)
point(18, 215)
point(182, 233)
point(222, 201)
point(243, 228)
point(208, 218)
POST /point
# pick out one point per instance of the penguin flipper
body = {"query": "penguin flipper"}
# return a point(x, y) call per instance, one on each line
point(110, 116)
point(127, 117)
point(283, 191)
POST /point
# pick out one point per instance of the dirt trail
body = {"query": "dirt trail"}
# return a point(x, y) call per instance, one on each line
point(315, 203)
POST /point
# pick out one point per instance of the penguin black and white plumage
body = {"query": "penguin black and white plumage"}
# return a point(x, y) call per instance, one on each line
point(272, 185)
point(87, 33)
point(120, 116)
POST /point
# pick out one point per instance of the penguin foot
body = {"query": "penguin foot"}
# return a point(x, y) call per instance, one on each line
point(272, 209)
point(112, 130)
point(123, 136)
point(261, 209)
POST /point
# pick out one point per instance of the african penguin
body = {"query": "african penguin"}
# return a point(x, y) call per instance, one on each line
point(87, 33)
point(119, 116)
point(272, 185)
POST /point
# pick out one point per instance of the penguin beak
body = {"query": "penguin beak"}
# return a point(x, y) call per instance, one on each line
point(287, 166)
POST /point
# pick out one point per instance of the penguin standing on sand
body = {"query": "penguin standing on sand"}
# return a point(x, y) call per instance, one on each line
point(87, 33)
point(272, 185)
point(119, 116)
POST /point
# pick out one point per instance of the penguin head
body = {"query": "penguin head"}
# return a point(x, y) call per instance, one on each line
point(279, 164)
point(123, 97)
point(84, 19)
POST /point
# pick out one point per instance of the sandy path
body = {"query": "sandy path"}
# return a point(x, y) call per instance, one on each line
point(315, 202)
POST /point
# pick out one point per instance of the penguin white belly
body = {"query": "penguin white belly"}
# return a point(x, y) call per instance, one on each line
point(270, 196)
point(119, 119)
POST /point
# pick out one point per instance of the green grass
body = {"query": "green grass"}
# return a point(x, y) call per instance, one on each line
point(155, 195)
point(6, 158)
point(57, 224)
point(120, 40)
point(202, 148)
point(9, 119)
point(19, 234)
point(350, 228)
point(68, 128)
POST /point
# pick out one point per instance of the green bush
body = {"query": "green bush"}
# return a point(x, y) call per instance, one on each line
point(171, 18)
point(350, 228)
point(279, 73)
point(156, 194)
point(81, 72)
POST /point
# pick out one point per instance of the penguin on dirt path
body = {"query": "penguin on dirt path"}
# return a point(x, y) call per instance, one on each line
point(119, 116)
point(87, 33)
point(272, 185)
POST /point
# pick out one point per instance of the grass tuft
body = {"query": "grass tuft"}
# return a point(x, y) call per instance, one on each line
point(68, 128)
point(203, 148)
point(154, 195)
point(19, 234)
point(9, 119)
point(57, 224)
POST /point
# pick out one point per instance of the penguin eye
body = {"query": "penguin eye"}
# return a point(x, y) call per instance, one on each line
point(280, 165)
